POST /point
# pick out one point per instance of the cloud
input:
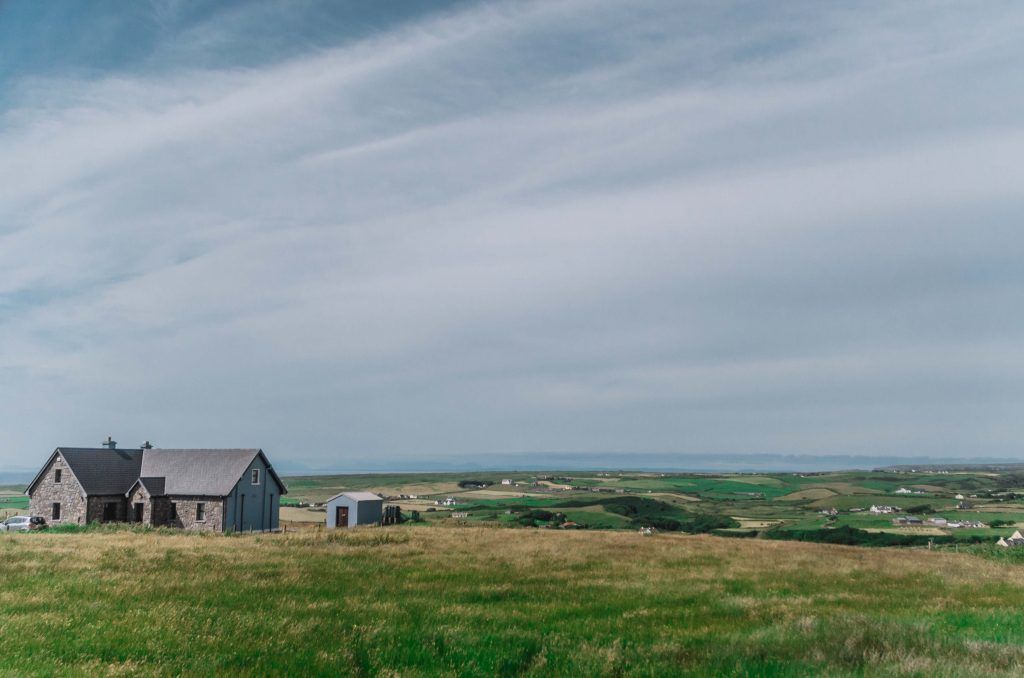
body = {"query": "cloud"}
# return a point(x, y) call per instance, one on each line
point(524, 226)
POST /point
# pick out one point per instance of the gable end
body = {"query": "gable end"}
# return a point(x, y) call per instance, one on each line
point(65, 468)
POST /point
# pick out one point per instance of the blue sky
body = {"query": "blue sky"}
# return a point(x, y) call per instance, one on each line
point(349, 231)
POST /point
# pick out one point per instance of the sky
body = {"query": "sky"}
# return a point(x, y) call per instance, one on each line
point(356, 232)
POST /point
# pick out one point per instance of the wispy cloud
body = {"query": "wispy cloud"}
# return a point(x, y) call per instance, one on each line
point(697, 227)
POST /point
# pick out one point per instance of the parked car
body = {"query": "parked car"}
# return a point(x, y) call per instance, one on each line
point(23, 524)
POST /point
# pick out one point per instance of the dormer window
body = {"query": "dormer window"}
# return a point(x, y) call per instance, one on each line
point(56, 475)
point(255, 476)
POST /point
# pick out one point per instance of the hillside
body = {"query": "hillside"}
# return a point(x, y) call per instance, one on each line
point(491, 601)
point(943, 506)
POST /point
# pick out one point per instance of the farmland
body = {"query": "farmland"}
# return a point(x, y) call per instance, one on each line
point(12, 501)
point(483, 601)
point(739, 505)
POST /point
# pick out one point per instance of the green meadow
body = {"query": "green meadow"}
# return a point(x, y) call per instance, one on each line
point(487, 601)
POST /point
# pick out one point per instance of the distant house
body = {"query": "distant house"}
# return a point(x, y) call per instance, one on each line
point(907, 520)
point(956, 524)
point(349, 509)
point(506, 481)
point(884, 509)
point(904, 490)
point(1015, 539)
point(206, 489)
point(964, 505)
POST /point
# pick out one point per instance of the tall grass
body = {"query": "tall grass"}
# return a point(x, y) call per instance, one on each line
point(482, 602)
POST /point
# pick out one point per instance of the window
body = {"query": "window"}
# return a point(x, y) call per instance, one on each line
point(56, 475)
point(56, 511)
point(200, 512)
point(255, 476)
point(174, 511)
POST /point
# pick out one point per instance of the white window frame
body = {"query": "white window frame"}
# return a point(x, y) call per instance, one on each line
point(254, 476)
point(203, 505)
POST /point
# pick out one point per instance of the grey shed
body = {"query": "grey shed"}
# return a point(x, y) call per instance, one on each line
point(349, 509)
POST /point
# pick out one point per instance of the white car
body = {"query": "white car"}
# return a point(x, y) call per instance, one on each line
point(22, 524)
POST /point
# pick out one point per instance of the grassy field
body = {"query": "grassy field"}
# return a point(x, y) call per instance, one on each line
point(489, 601)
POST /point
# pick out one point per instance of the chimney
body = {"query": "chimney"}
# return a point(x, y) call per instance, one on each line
point(147, 445)
point(110, 443)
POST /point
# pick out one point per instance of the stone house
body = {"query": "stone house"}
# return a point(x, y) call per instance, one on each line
point(211, 490)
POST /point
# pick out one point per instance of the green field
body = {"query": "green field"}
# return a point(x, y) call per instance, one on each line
point(12, 503)
point(418, 601)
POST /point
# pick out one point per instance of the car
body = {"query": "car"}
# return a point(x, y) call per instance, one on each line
point(23, 524)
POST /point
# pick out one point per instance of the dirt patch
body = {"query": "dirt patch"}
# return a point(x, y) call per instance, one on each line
point(755, 523)
point(294, 514)
point(811, 493)
point(671, 496)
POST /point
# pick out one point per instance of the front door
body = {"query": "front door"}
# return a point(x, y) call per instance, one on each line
point(139, 506)
point(341, 517)
point(110, 511)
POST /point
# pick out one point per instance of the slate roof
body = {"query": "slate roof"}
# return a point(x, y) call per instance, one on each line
point(210, 473)
point(154, 486)
point(101, 470)
point(358, 496)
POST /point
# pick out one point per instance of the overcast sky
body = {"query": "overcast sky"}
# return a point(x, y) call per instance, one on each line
point(354, 230)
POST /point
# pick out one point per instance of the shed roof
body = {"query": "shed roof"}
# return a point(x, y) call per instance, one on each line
point(358, 496)
point(102, 470)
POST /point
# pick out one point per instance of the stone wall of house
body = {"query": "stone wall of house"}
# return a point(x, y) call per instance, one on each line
point(161, 513)
point(97, 504)
point(140, 496)
point(67, 493)
point(186, 506)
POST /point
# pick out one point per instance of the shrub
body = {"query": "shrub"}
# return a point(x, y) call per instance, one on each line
point(708, 522)
point(530, 518)
point(855, 537)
